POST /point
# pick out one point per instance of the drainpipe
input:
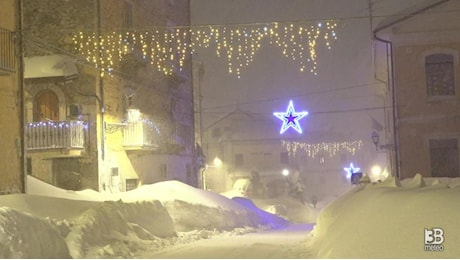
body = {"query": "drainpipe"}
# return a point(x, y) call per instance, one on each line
point(391, 87)
point(391, 81)
point(21, 97)
point(101, 80)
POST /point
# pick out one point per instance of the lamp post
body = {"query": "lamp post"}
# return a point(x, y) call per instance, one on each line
point(376, 139)
point(216, 163)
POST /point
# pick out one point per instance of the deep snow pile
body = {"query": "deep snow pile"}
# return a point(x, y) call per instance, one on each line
point(53, 223)
point(387, 220)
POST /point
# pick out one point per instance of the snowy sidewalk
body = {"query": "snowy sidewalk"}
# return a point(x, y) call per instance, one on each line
point(282, 243)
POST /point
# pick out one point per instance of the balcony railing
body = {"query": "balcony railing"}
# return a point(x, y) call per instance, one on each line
point(7, 54)
point(56, 134)
point(141, 135)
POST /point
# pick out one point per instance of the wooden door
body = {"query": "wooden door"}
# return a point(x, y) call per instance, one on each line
point(46, 106)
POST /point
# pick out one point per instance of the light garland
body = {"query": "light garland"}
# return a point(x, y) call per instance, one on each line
point(332, 148)
point(151, 124)
point(167, 48)
point(57, 124)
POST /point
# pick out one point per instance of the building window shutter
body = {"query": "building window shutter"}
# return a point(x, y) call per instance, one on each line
point(439, 70)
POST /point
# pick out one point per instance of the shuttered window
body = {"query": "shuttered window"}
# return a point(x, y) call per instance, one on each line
point(439, 70)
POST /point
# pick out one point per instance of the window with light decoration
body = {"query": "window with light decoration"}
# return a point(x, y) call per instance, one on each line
point(439, 71)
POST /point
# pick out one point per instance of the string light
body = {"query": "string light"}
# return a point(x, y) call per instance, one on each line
point(56, 134)
point(167, 48)
point(58, 124)
point(332, 148)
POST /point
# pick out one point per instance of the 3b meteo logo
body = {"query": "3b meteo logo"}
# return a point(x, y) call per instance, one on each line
point(433, 239)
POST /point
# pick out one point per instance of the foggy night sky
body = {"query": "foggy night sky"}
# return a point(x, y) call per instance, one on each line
point(347, 66)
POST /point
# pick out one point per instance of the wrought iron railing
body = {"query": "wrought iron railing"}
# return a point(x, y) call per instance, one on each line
point(56, 134)
point(7, 53)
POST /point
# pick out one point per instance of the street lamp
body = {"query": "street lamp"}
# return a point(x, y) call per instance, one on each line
point(216, 163)
point(376, 139)
point(285, 172)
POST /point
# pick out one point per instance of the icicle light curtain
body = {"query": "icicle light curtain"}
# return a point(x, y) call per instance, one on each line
point(166, 48)
point(332, 148)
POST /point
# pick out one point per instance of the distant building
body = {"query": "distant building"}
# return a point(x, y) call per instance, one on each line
point(421, 53)
point(249, 146)
point(11, 102)
point(101, 112)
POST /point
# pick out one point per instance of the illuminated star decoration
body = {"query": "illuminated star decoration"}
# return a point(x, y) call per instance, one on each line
point(290, 118)
point(351, 170)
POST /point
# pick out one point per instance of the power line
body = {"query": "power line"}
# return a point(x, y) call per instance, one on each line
point(343, 18)
point(290, 96)
point(259, 116)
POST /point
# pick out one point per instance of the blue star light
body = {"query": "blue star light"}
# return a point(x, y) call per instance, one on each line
point(290, 118)
point(351, 170)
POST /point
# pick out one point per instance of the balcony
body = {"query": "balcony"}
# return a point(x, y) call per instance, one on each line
point(141, 135)
point(56, 138)
point(7, 53)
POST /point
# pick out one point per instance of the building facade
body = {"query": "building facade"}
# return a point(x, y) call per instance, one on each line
point(241, 143)
point(101, 112)
point(11, 113)
point(423, 44)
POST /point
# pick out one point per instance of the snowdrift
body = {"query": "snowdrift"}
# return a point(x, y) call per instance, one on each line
point(15, 238)
point(53, 223)
point(387, 220)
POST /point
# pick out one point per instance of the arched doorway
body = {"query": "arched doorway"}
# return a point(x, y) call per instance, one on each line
point(46, 106)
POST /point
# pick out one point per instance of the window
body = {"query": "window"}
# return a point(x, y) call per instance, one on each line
point(439, 70)
point(444, 158)
point(131, 184)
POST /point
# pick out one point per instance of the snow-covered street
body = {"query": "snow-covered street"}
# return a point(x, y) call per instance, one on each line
point(282, 243)
point(390, 219)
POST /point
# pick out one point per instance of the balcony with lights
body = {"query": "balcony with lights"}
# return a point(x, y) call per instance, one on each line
point(141, 135)
point(54, 139)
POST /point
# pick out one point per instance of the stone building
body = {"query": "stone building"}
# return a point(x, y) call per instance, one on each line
point(11, 103)
point(102, 113)
point(422, 47)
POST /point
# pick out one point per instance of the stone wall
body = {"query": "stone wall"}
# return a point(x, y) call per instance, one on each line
point(11, 156)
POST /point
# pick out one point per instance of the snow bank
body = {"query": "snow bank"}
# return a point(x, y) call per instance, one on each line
point(109, 224)
point(78, 229)
point(386, 220)
point(25, 236)
point(49, 222)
